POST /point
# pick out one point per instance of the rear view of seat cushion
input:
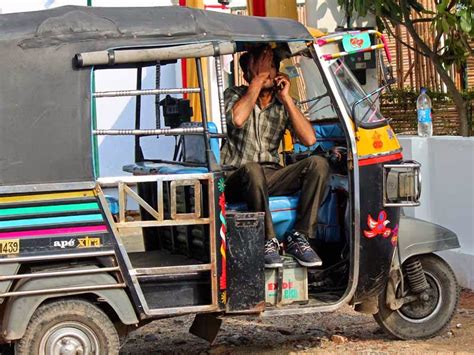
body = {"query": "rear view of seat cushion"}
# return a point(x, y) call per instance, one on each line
point(113, 204)
point(283, 209)
point(327, 135)
point(194, 147)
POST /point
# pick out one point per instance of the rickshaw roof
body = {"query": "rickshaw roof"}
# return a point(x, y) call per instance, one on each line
point(153, 25)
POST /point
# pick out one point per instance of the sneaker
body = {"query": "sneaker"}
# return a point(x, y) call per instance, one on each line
point(297, 245)
point(272, 257)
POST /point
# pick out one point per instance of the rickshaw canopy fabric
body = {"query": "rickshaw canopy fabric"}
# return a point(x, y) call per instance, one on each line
point(45, 125)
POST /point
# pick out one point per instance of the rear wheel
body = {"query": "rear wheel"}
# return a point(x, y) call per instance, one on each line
point(429, 315)
point(69, 327)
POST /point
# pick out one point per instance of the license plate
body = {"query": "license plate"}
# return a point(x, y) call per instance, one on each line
point(9, 246)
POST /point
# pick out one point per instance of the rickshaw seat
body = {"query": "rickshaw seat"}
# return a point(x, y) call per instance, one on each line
point(283, 210)
point(150, 168)
point(327, 135)
point(195, 145)
point(113, 204)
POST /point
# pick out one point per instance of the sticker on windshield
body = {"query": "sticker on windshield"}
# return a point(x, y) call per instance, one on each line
point(355, 42)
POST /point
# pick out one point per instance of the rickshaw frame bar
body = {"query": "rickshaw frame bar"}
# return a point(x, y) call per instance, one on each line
point(171, 270)
point(71, 186)
point(59, 273)
point(57, 257)
point(126, 56)
point(61, 290)
point(171, 91)
point(148, 132)
point(220, 92)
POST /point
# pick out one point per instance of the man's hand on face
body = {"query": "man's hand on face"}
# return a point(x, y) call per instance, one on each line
point(260, 67)
point(282, 84)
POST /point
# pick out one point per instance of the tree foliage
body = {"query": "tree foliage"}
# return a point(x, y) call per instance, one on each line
point(452, 22)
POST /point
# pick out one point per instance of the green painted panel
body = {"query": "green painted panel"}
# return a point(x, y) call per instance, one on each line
point(49, 209)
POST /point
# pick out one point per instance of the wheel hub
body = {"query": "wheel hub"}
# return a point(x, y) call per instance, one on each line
point(426, 305)
point(69, 338)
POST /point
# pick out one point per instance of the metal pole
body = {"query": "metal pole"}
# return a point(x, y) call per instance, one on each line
point(220, 91)
point(148, 132)
point(95, 148)
point(157, 97)
point(210, 161)
point(140, 92)
point(138, 108)
point(95, 143)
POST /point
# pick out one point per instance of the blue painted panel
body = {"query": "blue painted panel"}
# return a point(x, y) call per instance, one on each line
point(50, 220)
point(113, 204)
point(326, 136)
point(214, 141)
point(283, 209)
point(179, 169)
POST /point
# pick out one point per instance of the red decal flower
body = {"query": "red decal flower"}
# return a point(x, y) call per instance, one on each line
point(378, 226)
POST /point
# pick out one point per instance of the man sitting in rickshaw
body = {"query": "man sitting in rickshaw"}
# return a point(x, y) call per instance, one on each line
point(257, 116)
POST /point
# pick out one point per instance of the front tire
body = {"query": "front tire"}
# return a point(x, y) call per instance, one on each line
point(423, 319)
point(69, 327)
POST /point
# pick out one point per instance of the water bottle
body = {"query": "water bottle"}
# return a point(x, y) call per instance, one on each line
point(423, 109)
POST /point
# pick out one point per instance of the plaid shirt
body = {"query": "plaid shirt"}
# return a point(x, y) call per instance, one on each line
point(259, 138)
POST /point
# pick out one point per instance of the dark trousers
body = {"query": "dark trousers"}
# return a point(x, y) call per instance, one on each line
point(254, 182)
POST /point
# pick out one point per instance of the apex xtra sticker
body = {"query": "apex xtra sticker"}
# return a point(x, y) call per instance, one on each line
point(85, 242)
point(89, 242)
point(64, 243)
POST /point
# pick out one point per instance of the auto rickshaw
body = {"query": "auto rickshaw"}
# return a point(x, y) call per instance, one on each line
point(69, 285)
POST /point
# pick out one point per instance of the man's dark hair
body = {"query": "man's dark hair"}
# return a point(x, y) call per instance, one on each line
point(245, 58)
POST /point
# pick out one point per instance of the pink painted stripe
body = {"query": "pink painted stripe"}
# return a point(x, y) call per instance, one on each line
point(55, 231)
point(387, 50)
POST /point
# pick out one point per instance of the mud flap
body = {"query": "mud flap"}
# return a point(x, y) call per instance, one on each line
point(245, 263)
point(206, 326)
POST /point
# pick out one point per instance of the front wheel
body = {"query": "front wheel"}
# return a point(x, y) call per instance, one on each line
point(69, 327)
point(428, 317)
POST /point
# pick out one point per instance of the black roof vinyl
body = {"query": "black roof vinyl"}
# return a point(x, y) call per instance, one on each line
point(160, 25)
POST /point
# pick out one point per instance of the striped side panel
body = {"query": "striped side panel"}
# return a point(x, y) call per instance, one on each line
point(54, 232)
point(36, 210)
point(51, 220)
point(46, 197)
point(41, 215)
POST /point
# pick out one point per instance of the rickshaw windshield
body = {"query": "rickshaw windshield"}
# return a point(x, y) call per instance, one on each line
point(366, 111)
point(313, 96)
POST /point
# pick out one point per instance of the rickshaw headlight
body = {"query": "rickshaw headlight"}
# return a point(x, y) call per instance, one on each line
point(402, 184)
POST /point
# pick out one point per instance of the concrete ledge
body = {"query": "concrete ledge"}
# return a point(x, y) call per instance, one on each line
point(447, 196)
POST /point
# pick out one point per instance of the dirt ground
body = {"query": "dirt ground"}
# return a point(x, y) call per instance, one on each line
point(344, 331)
